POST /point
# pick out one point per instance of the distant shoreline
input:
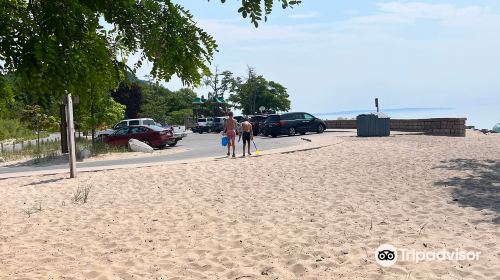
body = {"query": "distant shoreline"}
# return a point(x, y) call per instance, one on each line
point(386, 110)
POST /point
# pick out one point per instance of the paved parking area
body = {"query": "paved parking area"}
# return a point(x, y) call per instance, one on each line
point(197, 145)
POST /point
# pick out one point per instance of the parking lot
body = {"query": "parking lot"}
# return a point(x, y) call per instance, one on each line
point(196, 145)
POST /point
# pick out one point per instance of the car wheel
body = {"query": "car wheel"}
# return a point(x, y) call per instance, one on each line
point(274, 135)
point(200, 132)
point(172, 144)
point(291, 131)
point(320, 129)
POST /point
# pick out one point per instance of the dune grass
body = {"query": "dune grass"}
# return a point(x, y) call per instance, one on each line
point(51, 149)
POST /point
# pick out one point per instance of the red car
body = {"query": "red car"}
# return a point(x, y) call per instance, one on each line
point(154, 136)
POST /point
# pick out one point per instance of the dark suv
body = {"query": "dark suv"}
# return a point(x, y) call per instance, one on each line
point(292, 123)
point(257, 123)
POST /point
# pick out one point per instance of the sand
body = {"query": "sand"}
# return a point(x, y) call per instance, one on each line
point(315, 214)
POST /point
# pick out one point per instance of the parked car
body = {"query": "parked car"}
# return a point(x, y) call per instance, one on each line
point(124, 123)
point(203, 125)
point(154, 136)
point(257, 123)
point(239, 119)
point(177, 131)
point(293, 123)
point(218, 124)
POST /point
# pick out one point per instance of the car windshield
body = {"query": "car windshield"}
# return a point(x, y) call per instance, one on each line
point(120, 125)
point(148, 122)
point(121, 131)
point(202, 120)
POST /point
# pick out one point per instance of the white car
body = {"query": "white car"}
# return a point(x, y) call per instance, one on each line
point(203, 125)
point(205, 121)
point(124, 123)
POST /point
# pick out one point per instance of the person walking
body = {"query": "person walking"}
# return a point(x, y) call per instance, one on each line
point(230, 130)
point(247, 133)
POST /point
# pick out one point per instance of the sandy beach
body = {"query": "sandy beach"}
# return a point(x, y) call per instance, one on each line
point(314, 214)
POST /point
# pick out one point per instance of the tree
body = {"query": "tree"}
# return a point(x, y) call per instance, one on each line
point(6, 95)
point(155, 101)
point(36, 120)
point(219, 83)
point(129, 95)
point(255, 91)
point(99, 110)
point(161, 104)
point(52, 45)
point(177, 117)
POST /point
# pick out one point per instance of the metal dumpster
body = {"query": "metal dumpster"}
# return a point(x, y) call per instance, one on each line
point(374, 124)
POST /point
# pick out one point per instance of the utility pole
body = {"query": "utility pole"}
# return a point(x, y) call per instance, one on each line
point(376, 103)
point(71, 135)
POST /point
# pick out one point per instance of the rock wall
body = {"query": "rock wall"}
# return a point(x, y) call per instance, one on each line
point(437, 126)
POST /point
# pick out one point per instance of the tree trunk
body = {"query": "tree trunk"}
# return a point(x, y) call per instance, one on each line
point(93, 123)
point(38, 140)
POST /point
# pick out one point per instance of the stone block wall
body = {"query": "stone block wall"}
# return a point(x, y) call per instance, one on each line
point(436, 126)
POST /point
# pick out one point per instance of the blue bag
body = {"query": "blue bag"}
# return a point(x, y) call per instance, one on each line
point(224, 141)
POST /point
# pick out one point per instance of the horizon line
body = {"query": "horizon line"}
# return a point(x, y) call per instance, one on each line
point(387, 110)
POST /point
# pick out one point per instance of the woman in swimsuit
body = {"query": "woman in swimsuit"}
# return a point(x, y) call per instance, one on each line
point(230, 131)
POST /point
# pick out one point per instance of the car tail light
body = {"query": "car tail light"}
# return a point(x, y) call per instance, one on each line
point(281, 123)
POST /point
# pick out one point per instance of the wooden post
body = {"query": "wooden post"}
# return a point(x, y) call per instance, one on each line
point(71, 136)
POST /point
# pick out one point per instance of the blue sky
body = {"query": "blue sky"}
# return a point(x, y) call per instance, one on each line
point(338, 55)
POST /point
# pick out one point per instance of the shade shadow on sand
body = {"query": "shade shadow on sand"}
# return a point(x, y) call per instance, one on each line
point(40, 162)
point(45, 182)
point(478, 188)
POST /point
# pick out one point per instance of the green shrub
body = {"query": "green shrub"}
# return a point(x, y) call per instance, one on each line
point(13, 129)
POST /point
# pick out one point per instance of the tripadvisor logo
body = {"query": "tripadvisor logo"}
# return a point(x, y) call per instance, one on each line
point(387, 255)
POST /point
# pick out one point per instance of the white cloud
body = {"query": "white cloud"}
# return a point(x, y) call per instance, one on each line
point(412, 12)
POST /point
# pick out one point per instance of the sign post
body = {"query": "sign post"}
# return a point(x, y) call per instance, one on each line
point(71, 136)
point(376, 103)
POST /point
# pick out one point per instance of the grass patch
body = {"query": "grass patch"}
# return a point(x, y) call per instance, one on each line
point(34, 209)
point(13, 129)
point(98, 148)
point(51, 149)
point(82, 194)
